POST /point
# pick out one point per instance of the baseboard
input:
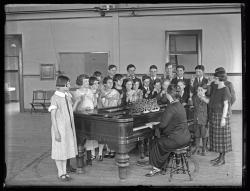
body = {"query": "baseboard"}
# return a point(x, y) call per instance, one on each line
point(236, 111)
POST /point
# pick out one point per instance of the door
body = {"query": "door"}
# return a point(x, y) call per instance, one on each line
point(13, 70)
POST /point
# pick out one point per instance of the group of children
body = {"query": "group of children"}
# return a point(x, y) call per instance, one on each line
point(115, 90)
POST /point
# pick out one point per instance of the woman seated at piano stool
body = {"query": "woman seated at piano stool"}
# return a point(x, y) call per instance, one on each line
point(85, 99)
point(157, 88)
point(162, 97)
point(138, 92)
point(109, 98)
point(172, 133)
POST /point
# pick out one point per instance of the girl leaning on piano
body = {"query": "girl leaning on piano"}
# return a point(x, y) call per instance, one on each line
point(85, 100)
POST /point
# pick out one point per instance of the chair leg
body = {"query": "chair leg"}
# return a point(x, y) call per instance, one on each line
point(187, 165)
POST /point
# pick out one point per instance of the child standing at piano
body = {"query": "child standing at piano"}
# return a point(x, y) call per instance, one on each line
point(63, 134)
point(200, 118)
point(87, 100)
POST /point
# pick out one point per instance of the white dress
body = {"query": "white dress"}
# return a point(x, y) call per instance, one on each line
point(88, 102)
point(67, 148)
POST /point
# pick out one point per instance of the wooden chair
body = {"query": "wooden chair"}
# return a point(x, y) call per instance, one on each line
point(48, 95)
point(37, 100)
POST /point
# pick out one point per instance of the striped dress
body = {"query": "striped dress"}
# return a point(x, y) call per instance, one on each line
point(219, 137)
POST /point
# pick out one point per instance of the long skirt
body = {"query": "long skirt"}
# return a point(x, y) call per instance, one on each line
point(161, 148)
point(219, 137)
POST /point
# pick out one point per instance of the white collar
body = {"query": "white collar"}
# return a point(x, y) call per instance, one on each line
point(201, 78)
point(61, 94)
point(180, 78)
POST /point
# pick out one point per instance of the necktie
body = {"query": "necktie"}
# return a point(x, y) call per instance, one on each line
point(68, 110)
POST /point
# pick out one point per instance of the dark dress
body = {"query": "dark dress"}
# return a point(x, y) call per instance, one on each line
point(174, 134)
point(214, 86)
point(219, 137)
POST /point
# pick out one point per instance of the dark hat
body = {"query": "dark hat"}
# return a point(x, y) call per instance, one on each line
point(220, 69)
point(221, 75)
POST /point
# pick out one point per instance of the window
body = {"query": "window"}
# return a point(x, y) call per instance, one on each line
point(184, 48)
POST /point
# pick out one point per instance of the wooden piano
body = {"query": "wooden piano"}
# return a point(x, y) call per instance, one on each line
point(118, 127)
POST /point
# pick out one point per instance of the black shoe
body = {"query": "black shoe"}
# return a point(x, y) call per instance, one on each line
point(219, 163)
point(100, 158)
point(107, 155)
point(112, 155)
point(215, 160)
point(153, 173)
point(70, 169)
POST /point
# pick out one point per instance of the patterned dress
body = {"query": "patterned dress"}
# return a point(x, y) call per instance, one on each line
point(219, 137)
point(67, 148)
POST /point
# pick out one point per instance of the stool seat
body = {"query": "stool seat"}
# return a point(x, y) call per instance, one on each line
point(181, 150)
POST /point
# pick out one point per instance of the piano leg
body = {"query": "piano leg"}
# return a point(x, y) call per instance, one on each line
point(147, 151)
point(80, 159)
point(122, 161)
point(141, 149)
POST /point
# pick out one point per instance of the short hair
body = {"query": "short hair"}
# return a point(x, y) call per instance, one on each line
point(128, 80)
point(180, 66)
point(180, 80)
point(130, 66)
point(173, 91)
point(112, 66)
point(92, 79)
point(168, 64)
point(220, 69)
point(137, 80)
point(62, 80)
point(80, 78)
point(97, 74)
point(117, 77)
point(221, 75)
point(106, 79)
point(157, 80)
point(153, 67)
point(145, 77)
point(200, 67)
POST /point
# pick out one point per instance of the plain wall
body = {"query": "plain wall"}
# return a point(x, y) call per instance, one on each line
point(141, 40)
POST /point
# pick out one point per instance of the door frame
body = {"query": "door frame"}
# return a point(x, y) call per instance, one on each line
point(18, 37)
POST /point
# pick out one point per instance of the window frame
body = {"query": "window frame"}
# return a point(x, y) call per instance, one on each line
point(198, 33)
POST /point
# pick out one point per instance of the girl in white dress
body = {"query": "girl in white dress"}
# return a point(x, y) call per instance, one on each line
point(63, 127)
point(86, 100)
point(109, 98)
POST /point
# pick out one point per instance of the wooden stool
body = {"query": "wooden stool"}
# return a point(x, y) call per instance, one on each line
point(179, 162)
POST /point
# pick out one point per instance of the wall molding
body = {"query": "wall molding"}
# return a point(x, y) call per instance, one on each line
point(37, 13)
point(18, 10)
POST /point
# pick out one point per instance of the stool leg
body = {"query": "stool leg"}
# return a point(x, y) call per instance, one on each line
point(185, 158)
point(182, 164)
point(172, 167)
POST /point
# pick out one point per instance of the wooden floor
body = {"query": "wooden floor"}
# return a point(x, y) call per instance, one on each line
point(28, 159)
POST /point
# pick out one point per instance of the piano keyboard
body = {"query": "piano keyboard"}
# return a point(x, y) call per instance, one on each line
point(141, 127)
point(148, 125)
